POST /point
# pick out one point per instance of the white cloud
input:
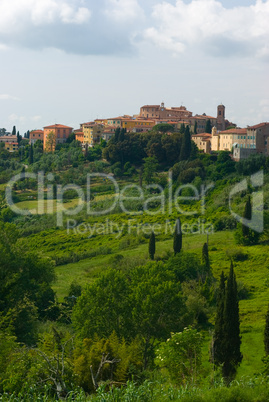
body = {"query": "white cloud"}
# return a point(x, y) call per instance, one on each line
point(8, 97)
point(74, 26)
point(15, 15)
point(208, 24)
point(123, 10)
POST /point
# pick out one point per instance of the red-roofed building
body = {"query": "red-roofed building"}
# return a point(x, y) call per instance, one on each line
point(55, 134)
point(161, 112)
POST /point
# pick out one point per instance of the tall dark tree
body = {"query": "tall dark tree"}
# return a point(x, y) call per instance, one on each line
point(122, 134)
point(195, 127)
point(205, 257)
point(227, 340)
point(185, 150)
point(177, 243)
point(208, 126)
point(152, 245)
point(266, 333)
point(218, 339)
point(117, 134)
point(232, 339)
point(31, 155)
point(19, 137)
point(14, 131)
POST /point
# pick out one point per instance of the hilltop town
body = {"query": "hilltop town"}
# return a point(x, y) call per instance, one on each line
point(209, 133)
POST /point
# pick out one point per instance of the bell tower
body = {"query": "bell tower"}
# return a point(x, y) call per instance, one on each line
point(221, 118)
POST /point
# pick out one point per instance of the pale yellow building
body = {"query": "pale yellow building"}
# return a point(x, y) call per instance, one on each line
point(137, 125)
point(92, 133)
point(11, 142)
point(203, 141)
point(234, 137)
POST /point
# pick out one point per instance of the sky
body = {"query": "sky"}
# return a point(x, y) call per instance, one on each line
point(72, 61)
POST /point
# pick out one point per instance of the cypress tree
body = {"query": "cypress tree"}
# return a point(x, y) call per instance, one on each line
point(232, 339)
point(18, 137)
point(117, 134)
point(266, 333)
point(177, 243)
point(195, 127)
point(14, 131)
point(205, 256)
point(185, 150)
point(205, 261)
point(31, 155)
point(122, 134)
point(208, 126)
point(152, 245)
point(217, 350)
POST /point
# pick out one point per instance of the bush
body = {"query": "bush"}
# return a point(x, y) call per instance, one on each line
point(237, 254)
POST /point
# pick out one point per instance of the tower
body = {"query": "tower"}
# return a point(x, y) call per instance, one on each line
point(221, 117)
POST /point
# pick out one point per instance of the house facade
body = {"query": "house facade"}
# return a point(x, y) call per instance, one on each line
point(55, 134)
point(203, 142)
point(162, 112)
point(92, 133)
point(11, 142)
point(36, 135)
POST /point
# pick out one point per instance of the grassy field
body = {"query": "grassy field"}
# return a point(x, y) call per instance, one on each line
point(50, 206)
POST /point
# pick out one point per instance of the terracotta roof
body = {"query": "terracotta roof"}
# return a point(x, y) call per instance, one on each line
point(258, 126)
point(36, 131)
point(208, 135)
point(89, 123)
point(58, 126)
point(150, 106)
point(202, 116)
point(119, 118)
point(8, 137)
point(110, 127)
point(234, 131)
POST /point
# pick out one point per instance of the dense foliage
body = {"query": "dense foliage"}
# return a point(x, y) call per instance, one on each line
point(138, 325)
